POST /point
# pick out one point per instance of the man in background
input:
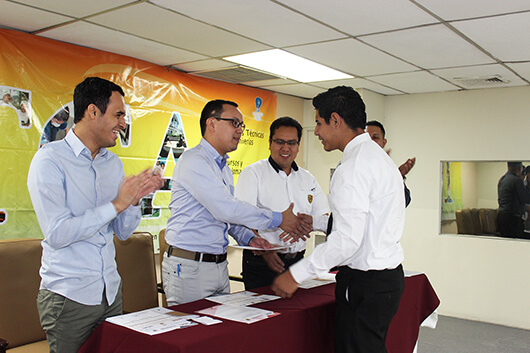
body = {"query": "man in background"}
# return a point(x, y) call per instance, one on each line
point(512, 198)
point(368, 207)
point(81, 199)
point(274, 184)
point(377, 133)
point(204, 211)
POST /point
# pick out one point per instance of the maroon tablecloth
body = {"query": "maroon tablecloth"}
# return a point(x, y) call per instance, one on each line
point(305, 324)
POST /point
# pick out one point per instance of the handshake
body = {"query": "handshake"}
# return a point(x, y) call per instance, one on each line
point(295, 227)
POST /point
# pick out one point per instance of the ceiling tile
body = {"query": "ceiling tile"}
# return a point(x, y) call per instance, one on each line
point(263, 21)
point(301, 90)
point(353, 57)
point(168, 27)
point(429, 47)
point(76, 8)
point(97, 37)
point(458, 9)
point(27, 19)
point(362, 17)
point(415, 82)
point(522, 69)
point(358, 83)
point(505, 37)
point(480, 71)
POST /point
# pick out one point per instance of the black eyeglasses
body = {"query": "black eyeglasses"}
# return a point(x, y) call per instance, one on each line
point(235, 123)
point(290, 143)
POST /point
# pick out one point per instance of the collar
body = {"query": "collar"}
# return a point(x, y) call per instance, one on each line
point(78, 146)
point(212, 153)
point(277, 168)
point(357, 140)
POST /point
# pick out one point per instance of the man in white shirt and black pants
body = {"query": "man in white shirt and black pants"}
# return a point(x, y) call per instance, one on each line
point(368, 207)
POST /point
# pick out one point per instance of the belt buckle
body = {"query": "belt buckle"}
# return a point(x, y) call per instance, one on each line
point(219, 258)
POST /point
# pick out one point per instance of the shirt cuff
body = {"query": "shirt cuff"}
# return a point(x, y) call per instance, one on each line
point(108, 212)
point(277, 219)
point(300, 271)
point(320, 222)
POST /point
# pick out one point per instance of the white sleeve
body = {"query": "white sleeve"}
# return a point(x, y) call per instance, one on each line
point(247, 186)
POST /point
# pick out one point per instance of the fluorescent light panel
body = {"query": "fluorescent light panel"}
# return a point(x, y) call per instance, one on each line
point(284, 64)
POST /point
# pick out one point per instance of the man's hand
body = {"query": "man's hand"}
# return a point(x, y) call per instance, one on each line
point(284, 285)
point(153, 182)
point(273, 261)
point(407, 166)
point(293, 226)
point(259, 242)
point(135, 187)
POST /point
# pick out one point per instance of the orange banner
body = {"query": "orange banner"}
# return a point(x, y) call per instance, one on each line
point(37, 79)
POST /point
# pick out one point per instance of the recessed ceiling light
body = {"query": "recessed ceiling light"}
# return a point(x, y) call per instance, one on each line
point(284, 64)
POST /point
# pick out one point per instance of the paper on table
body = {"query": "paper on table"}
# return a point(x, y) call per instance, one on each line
point(206, 320)
point(277, 247)
point(154, 321)
point(244, 314)
point(242, 298)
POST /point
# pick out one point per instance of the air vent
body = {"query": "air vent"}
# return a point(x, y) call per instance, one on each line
point(488, 81)
point(236, 75)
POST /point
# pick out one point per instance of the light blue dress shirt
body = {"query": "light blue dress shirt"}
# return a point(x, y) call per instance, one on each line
point(71, 194)
point(203, 207)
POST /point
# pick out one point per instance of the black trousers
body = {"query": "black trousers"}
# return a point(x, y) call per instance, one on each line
point(510, 225)
point(256, 272)
point(366, 303)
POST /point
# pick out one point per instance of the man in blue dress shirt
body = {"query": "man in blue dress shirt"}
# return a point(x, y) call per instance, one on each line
point(204, 211)
point(81, 199)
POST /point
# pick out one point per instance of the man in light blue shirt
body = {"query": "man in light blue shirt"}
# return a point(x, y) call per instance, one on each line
point(81, 198)
point(204, 211)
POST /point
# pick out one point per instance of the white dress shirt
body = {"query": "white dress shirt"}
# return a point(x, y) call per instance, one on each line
point(368, 207)
point(265, 185)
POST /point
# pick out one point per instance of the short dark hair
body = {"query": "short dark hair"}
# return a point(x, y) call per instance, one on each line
point(213, 109)
point(93, 90)
point(285, 121)
point(344, 101)
point(377, 124)
point(515, 166)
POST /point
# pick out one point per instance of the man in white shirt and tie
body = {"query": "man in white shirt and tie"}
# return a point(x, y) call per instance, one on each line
point(368, 207)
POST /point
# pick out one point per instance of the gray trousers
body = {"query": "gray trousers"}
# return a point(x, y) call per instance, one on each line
point(68, 324)
point(189, 280)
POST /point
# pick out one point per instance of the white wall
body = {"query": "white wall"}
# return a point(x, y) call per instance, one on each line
point(482, 279)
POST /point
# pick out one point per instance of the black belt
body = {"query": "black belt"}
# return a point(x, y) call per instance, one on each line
point(197, 256)
point(291, 255)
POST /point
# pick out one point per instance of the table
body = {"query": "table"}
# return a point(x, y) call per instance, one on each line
point(305, 325)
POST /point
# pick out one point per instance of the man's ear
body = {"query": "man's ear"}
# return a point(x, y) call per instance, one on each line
point(210, 124)
point(92, 111)
point(335, 120)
